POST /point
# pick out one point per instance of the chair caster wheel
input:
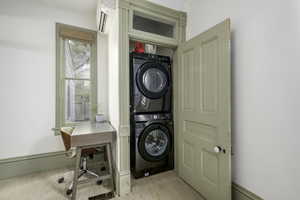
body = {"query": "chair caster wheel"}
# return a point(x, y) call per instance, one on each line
point(99, 182)
point(61, 180)
point(103, 169)
point(69, 191)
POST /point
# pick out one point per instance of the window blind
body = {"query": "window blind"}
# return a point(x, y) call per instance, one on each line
point(66, 31)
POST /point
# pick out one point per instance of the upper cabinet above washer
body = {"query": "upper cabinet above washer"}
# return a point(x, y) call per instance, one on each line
point(154, 23)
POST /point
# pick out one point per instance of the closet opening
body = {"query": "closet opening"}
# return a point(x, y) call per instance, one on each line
point(152, 141)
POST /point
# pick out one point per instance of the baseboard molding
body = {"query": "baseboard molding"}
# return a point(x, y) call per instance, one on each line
point(34, 163)
point(123, 182)
point(240, 193)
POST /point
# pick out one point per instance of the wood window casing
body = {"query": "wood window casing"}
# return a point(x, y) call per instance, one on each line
point(85, 36)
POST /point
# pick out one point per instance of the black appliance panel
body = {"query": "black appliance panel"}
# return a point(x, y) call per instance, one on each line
point(152, 148)
point(151, 83)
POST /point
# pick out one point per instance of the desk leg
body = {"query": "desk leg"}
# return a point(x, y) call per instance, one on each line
point(110, 164)
point(76, 172)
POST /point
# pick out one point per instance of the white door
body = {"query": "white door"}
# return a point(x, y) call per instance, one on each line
point(203, 109)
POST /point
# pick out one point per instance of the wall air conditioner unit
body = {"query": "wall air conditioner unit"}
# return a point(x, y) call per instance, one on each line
point(104, 8)
point(101, 20)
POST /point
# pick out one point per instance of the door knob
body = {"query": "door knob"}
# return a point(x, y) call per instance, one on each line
point(218, 149)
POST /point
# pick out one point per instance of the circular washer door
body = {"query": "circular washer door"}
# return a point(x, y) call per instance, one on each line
point(153, 80)
point(155, 142)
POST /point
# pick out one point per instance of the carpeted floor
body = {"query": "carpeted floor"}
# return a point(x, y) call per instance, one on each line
point(44, 186)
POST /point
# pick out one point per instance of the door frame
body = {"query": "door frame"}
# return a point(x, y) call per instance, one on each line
point(125, 34)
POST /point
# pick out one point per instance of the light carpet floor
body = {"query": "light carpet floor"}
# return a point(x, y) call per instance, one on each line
point(44, 186)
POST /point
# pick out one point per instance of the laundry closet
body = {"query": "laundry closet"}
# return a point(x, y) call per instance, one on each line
point(170, 95)
point(151, 109)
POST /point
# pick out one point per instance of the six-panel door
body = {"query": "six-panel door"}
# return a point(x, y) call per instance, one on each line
point(204, 112)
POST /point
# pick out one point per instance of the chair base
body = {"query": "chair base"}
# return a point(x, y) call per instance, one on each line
point(83, 171)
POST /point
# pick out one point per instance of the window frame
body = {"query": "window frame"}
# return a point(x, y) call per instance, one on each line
point(60, 73)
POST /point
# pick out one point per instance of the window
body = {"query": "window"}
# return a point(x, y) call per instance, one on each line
point(152, 25)
point(76, 72)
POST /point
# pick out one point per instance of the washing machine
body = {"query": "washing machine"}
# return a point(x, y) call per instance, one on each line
point(151, 83)
point(152, 144)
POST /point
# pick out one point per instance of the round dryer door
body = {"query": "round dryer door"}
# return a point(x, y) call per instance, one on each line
point(153, 80)
point(155, 142)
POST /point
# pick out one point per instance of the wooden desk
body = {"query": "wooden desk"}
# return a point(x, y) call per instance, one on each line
point(88, 135)
point(91, 133)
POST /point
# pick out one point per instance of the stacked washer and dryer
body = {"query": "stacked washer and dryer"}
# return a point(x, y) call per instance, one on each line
point(152, 135)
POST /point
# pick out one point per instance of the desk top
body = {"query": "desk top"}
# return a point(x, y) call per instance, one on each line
point(93, 128)
point(92, 133)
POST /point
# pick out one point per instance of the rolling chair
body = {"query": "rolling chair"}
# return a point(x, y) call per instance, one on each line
point(71, 153)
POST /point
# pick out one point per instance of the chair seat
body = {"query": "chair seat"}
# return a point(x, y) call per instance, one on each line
point(89, 151)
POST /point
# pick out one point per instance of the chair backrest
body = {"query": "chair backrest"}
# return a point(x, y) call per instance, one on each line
point(66, 133)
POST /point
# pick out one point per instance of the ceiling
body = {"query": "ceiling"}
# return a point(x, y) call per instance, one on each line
point(85, 6)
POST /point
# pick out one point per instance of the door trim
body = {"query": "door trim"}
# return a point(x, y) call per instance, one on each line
point(124, 35)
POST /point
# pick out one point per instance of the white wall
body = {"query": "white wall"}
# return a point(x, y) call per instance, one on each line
point(175, 4)
point(266, 86)
point(27, 74)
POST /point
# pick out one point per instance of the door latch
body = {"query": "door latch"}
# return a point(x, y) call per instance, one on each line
point(218, 149)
